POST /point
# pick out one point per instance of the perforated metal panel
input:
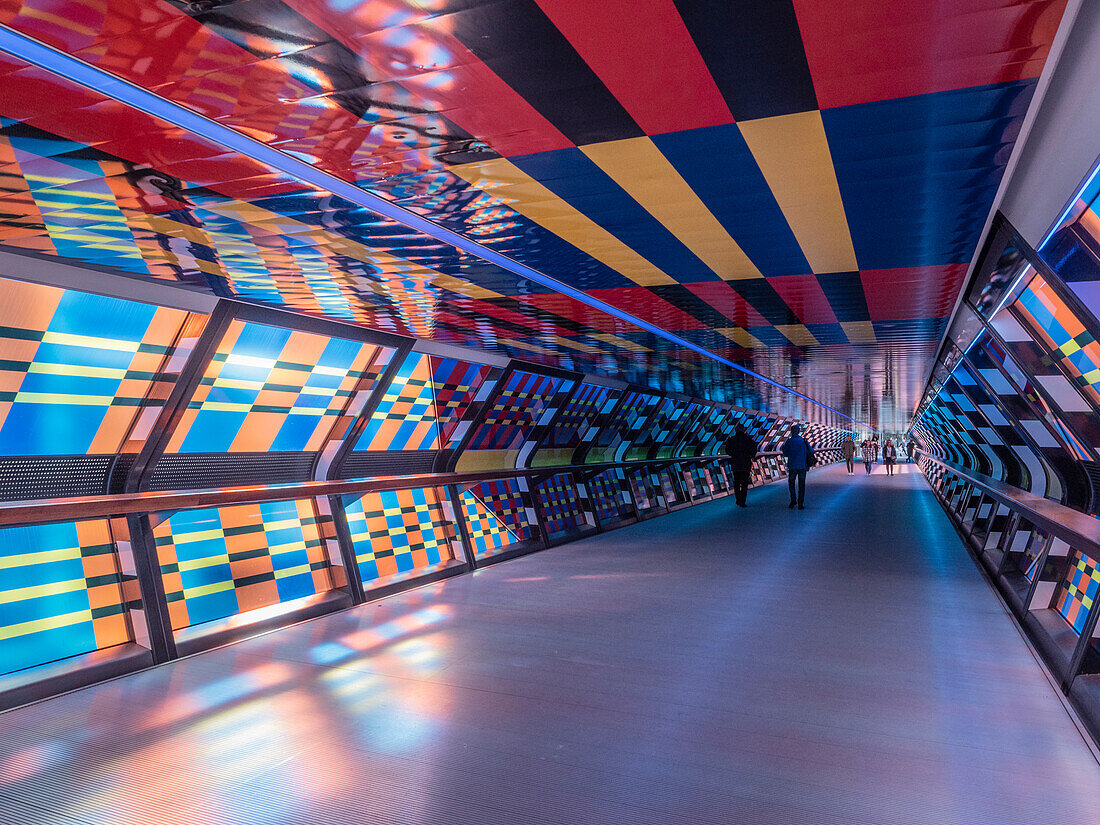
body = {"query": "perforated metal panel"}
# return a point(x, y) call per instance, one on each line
point(1092, 470)
point(365, 465)
point(202, 470)
point(53, 476)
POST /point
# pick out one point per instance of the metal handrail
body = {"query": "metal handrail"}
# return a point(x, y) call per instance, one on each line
point(1077, 529)
point(73, 508)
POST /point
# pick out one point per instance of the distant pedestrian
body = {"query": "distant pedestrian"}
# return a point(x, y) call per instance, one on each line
point(800, 457)
point(910, 450)
point(848, 448)
point(889, 456)
point(875, 446)
point(742, 451)
point(868, 453)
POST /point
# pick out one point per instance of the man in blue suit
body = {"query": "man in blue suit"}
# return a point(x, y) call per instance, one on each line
point(800, 457)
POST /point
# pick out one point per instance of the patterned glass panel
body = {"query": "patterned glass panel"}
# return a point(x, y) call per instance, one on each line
point(76, 368)
point(399, 532)
point(1077, 592)
point(606, 490)
point(516, 411)
point(560, 506)
point(271, 389)
point(219, 562)
point(1062, 332)
point(423, 404)
point(578, 415)
point(496, 516)
point(60, 593)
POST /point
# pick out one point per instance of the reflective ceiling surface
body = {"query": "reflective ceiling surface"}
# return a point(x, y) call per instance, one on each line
point(796, 186)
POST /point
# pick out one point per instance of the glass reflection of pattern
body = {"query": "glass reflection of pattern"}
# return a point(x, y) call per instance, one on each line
point(269, 388)
point(223, 561)
point(1062, 332)
point(496, 516)
point(607, 493)
point(1030, 393)
point(560, 508)
point(1033, 552)
point(76, 368)
point(578, 415)
point(398, 531)
point(622, 425)
point(60, 593)
point(423, 405)
point(516, 411)
point(1077, 592)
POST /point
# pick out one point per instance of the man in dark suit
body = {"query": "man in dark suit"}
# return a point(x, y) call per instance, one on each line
point(800, 458)
point(741, 450)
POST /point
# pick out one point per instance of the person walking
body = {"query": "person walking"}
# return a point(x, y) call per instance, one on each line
point(868, 453)
point(742, 451)
point(889, 456)
point(800, 457)
point(910, 450)
point(875, 447)
point(848, 448)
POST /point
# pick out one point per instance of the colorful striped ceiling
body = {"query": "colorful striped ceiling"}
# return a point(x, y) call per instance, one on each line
point(796, 186)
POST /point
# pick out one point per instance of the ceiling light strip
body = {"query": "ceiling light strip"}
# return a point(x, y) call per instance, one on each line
point(105, 83)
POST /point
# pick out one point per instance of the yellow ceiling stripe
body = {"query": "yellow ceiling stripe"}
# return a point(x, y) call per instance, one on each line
point(647, 176)
point(797, 334)
point(859, 332)
point(793, 153)
point(531, 199)
point(741, 337)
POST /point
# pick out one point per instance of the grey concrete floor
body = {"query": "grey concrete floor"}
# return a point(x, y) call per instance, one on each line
point(842, 664)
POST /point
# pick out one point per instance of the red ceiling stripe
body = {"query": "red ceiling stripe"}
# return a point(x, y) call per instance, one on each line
point(643, 53)
point(462, 87)
point(805, 297)
point(912, 292)
point(861, 52)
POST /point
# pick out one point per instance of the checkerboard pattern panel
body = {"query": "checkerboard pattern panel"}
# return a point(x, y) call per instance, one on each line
point(398, 532)
point(561, 508)
point(76, 368)
point(578, 415)
point(496, 516)
point(60, 593)
point(515, 411)
point(220, 562)
point(646, 489)
point(1065, 336)
point(1077, 592)
point(405, 416)
point(423, 404)
point(606, 490)
point(455, 384)
point(271, 389)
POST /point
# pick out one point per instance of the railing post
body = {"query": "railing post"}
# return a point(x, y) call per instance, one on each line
point(143, 545)
point(463, 528)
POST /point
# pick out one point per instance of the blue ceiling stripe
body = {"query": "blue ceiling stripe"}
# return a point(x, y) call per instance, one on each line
point(716, 162)
point(918, 174)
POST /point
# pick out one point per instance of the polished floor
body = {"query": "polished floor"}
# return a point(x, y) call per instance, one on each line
point(844, 664)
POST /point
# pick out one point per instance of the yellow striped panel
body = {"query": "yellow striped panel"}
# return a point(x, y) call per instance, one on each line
point(531, 199)
point(12, 631)
point(647, 176)
point(53, 398)
point(793, 153)
point(40, 557)
point(39, 591)
point(207, 589)
point(292, 571)
point(73, 340)
point(77, 370)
